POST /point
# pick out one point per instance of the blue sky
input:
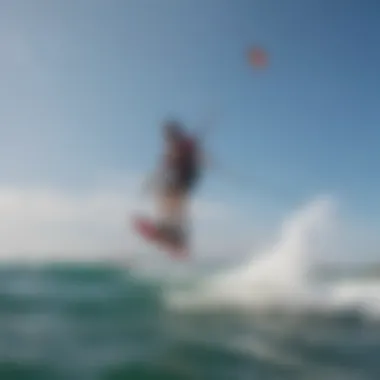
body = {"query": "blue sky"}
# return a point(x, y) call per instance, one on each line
point(85, 85)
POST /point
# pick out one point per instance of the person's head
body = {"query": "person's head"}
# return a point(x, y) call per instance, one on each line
point(173, 130)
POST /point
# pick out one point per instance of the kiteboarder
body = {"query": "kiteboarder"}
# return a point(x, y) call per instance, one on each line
point(174, 180)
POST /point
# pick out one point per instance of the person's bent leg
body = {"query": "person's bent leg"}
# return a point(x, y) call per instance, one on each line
point(173, 215)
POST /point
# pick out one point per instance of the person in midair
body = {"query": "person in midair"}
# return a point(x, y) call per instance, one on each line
point(177, 175)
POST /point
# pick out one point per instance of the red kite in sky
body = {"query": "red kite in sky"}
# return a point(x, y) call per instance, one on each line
point(258, 57)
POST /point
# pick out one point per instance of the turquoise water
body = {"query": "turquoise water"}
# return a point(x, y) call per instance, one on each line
point(102, 322)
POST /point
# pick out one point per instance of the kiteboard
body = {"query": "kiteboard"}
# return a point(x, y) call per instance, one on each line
point(150, 231)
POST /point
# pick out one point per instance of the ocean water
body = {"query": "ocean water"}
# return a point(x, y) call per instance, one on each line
point(273, 316)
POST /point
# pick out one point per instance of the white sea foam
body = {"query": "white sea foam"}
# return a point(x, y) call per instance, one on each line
point(282, 276)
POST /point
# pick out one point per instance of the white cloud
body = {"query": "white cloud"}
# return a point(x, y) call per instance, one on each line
point(43, 223)
point(49, 224)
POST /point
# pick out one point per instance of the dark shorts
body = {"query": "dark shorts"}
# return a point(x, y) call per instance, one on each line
point(182, 181)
